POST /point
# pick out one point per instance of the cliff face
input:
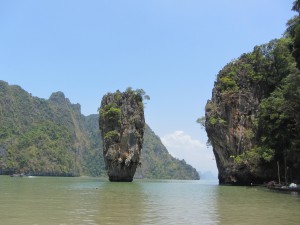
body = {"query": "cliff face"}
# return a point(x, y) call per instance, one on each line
point(122, 126)
point(251, 121)
point(230, 117)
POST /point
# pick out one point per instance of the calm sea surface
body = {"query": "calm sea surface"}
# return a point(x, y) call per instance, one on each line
point(48, 200)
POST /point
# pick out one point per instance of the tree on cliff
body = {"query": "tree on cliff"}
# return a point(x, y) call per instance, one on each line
point(296, 6)
point(293, 31)
point(280, 120)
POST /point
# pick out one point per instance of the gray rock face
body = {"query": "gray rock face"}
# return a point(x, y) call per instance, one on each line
point(122, 126)
point(230, 124)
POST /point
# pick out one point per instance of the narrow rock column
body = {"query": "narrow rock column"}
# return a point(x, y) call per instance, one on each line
point(122, 126)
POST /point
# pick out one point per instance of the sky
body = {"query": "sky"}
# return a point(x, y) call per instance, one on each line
point(173, 49)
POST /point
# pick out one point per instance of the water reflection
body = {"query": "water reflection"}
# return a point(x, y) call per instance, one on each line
point(120, 203)
point(180, 202)
point(147, 202)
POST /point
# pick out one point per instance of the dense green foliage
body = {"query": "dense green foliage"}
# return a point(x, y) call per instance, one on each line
point(112, 114)
point(39, 136)
point(279, 120)
point(92, 158)
point(52, 137)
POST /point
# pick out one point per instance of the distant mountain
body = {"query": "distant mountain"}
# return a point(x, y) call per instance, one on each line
point(207, 175)
point(52, 137)
point(158, 163)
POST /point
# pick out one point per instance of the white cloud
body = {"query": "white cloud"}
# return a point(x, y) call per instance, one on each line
point(194, 152)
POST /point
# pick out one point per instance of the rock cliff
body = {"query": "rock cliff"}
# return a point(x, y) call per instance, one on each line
point(251, 121)
point(122, 127)
point(230, 117)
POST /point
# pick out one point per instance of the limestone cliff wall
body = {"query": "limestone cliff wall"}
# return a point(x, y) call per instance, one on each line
point(231, 121)
point(122, 126)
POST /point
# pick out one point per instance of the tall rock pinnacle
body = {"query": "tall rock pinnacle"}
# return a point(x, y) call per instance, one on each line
point(122, 126)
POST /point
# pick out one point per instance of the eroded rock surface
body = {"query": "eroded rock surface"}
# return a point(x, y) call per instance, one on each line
point(230, 117)
point(232, 120)
point(122, 126)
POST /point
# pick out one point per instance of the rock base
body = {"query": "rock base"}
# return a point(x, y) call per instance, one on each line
point(120, 179)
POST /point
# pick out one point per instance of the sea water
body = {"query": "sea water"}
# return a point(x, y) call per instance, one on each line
point(50, 200)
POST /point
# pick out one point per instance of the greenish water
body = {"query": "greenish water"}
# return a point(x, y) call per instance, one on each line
point(48, 200)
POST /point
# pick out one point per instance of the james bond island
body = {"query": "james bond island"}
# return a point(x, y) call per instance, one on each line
point(122, 125)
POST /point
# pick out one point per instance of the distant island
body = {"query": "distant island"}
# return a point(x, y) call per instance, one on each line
point(52, 138)
point(253, 117)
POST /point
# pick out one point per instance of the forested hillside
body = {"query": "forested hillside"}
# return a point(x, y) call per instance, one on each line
point(253, 118)
point(157, 162)
point(52, 137)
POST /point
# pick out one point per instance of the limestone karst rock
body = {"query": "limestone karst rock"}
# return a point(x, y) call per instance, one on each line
point(232, 120)
point(122, 126)
point(230, 127)
point(251, 119)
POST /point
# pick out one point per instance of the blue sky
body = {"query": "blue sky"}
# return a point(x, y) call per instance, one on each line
point(173, 49)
